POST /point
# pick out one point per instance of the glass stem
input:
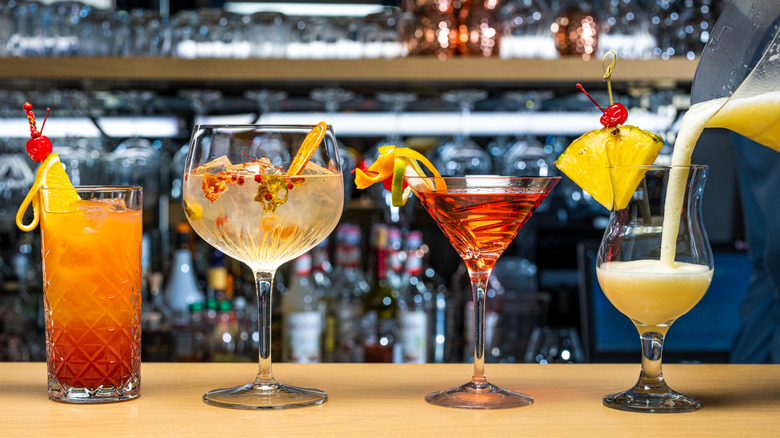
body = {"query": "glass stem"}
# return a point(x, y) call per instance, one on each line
point(465, 116)
point(264, 281)
point(651, 378)
point(478, 285)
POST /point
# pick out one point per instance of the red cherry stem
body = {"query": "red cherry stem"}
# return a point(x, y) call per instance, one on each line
point(44, 120)
point(581, 88)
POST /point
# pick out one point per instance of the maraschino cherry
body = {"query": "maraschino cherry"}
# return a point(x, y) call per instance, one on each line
point(615, 114)
point(39, 146)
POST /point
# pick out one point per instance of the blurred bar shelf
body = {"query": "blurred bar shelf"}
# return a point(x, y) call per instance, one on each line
point(368, 400)
point(410, 70)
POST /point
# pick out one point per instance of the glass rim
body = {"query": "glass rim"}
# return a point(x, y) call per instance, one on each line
point(658, 166)
point(96, 188)
point(483, 177)
point(255, 126)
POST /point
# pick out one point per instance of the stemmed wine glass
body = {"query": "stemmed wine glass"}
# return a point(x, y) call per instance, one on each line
point(399, 216)
point(480, 215)
point(654, 264)
point(460, 155)
point(332, 98)
point(240, 199)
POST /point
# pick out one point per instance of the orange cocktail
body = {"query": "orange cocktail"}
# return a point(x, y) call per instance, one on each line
point(92, 293)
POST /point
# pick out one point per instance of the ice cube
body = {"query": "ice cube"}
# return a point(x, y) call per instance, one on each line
point(221, 164)
point(86, 206)
point(114, 204)
point(315, 169)
point(262, 166)
point(99, 205)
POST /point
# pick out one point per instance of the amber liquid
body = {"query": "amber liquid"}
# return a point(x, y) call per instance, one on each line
point(480, 223)
point(92, 285)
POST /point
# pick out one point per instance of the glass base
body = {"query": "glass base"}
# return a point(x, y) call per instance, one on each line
point(478, 396)
point(271, 396)
point(79, 394)
point(668, 401)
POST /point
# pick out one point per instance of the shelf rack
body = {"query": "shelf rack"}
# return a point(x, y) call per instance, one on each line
point(411, 70)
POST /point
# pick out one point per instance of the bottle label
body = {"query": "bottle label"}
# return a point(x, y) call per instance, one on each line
point(302, 337)
point(413, 327)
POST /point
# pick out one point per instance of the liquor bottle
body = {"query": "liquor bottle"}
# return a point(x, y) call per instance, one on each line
point(380, 307)
point(302, 320)
point(210, 312)
point(277, 320)
point(414, 306)
point(395, 258)
point(321, 270)
point(225, 333)
point(246, 326)
point(156, 320)
point(349, 288)
point(216, 277)
point(182, 289)
point(441, 332)
point(190, 336)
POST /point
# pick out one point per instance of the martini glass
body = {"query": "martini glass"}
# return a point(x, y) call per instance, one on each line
point(256, 213)
point(480, 215)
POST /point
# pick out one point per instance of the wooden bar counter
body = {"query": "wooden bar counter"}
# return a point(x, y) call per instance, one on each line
point(369, 400)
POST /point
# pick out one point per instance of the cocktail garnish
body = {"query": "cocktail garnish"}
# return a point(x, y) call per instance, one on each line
point(272, 180)
point(392, 166)
point(309, 145)
point(50, 174)
point(193, 209)
point(272, 192)
point(615, 114)
point(39, 146)
point(587, 159)
point(214, 185)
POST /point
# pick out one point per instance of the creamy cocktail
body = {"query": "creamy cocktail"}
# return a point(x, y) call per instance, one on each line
point(653, 294)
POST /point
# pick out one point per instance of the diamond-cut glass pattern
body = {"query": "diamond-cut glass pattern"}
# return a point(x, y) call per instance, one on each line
point(93, 307)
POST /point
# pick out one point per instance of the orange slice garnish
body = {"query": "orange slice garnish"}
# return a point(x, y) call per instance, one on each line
point(50, 174)
point(305, 152)
point(394, 165)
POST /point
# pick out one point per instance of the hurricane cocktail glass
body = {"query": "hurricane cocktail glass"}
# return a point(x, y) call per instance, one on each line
point(651, 281)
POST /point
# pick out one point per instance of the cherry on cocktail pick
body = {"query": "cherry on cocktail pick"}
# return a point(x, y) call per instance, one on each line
point(615, 114)
point(39, 146)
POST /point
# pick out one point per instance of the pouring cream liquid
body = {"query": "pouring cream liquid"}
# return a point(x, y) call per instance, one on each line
point(656, 292)
point(756, 117)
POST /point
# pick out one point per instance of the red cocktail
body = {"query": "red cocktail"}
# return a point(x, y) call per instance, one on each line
point(480, 215)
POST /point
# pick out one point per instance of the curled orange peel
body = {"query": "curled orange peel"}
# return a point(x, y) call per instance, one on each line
point(393, 164)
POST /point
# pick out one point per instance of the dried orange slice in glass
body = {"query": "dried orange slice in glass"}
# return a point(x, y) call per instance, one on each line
point(309, 145)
